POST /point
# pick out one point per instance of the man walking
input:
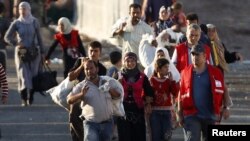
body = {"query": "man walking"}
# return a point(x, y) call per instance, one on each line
point(96, 105)
point(201, 96)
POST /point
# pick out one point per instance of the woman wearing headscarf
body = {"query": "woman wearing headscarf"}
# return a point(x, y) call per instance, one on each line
point(70, 42)
point(221, 57)
point(162, 52)
point(138, 95)
point(24, 33)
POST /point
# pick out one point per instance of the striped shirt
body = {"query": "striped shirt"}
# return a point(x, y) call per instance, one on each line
point(3, 82)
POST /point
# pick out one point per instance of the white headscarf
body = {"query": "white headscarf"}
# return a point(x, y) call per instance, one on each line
point(150, 69)
point(67, 25)
point(28, 18)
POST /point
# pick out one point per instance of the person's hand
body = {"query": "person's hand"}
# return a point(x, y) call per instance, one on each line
point(238, 56)
point(121, 29)
point(84, 90)
point(123, 25)
point(225, 113)
point(4, 99)
point(20, 45)
point(83, 60)
point(180, 119)
point(47, 61)
point(148, 109)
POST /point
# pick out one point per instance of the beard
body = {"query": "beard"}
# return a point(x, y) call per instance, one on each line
point(91, 77)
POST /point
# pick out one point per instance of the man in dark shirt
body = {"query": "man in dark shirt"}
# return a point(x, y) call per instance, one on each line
point(77, 72)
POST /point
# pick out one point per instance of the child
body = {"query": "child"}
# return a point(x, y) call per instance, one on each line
point(116, 61)
point(165, 89)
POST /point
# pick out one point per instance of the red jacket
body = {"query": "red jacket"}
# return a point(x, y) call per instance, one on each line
point(161, 88)
point(217, 89)
point(137, 87)
point(66, 43)
point(182, 56)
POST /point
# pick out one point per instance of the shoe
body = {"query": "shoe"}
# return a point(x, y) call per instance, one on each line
point(24, 103)
point(30, 102)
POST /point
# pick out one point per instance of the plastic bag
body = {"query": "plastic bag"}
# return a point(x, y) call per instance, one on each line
point(146, 51)
point(60, 92)
point(118, 109)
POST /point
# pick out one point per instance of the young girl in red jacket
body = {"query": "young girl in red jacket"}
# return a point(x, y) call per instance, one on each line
point(165, 91)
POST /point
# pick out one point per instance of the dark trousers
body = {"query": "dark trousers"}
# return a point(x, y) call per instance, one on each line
point(27, 95)
point(131, 129)
point(76, 123)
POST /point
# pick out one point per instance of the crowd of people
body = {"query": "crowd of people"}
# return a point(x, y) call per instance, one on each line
point(171, 70)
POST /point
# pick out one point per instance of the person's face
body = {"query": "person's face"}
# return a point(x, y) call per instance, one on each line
point(23, 11)
point(135, 13)
point(61, 27)
point(163, 70)
point(94, 53)
point(130, 63)
point(160, 54)
point(91, 71)
point(198, 59)
point(211, 33)
point(193, 36)
point(164, 15)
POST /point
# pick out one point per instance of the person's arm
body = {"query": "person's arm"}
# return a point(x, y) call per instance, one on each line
point(80, 46)
point(120, 30)
point(144, 9)
point(117, 28)
point(148, 90)
point(149, 94)
point(114, 93)
point(74, 98)
point(4, 85)
point(51, 49)
point(9, 36)
point(180, 116)
point(76, 70)
point(231, 57)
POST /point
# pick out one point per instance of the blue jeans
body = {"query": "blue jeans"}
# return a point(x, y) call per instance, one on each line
point(161, 125)
point(98, 131)
point(195, 128)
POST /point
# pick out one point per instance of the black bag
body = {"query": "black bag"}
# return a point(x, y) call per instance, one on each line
point(27, 54)
point(44, 80)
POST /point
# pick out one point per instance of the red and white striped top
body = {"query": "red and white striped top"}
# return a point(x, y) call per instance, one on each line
point(3, 82)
